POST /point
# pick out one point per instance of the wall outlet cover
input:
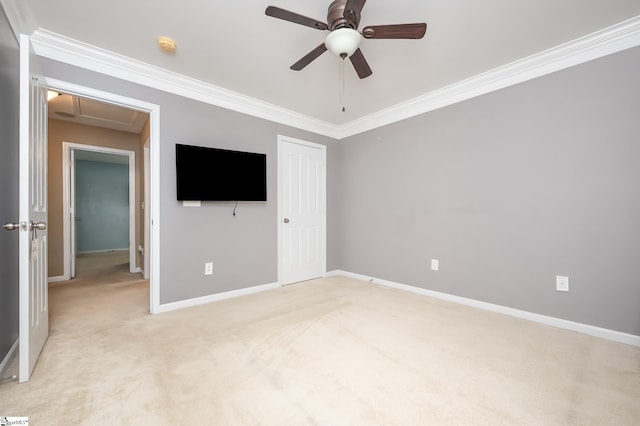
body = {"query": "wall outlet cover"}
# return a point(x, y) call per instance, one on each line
point(208, 268)
point(562, 283)
point(435, 264)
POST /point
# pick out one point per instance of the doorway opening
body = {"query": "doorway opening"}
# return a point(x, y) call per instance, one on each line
point(99, 196)
point(90, 110)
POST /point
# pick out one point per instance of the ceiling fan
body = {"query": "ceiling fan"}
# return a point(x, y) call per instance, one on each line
point(344, 39)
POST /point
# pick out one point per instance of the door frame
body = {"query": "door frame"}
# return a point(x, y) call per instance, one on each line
point(69, 198)
point(146, 254)
point(154, 146)
point(283, 140)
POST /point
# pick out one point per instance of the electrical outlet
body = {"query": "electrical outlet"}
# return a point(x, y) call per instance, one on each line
point(435, 264)
point(208, 268)
point(562, 283)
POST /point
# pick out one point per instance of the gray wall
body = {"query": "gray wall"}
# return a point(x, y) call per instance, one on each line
point(508, 190)
point(243, 249)
point(9, 119)
point(102, 205)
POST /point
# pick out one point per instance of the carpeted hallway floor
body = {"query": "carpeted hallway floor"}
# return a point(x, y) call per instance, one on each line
point(333, 351)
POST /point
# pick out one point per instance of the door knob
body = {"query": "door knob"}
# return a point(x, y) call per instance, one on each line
point(286, 220)
point(11, 226)
point(40, 226)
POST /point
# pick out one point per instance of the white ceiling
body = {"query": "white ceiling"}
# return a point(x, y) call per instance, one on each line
point(235, 46)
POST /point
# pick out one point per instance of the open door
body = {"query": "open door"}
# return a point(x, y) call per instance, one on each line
point(34, 303)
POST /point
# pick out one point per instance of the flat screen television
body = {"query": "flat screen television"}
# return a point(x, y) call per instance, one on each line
point(212, 174)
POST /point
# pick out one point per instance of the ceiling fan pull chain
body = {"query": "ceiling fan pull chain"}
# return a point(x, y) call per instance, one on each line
point(342, 85)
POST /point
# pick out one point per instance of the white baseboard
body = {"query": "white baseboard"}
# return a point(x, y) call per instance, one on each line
point(167, 307)
point(591, 330)
point(8, 358)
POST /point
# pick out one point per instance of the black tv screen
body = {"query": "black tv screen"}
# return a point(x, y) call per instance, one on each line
point(212, 174)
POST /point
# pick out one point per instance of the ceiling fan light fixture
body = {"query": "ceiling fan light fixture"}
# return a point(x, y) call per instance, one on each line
point(343, 42)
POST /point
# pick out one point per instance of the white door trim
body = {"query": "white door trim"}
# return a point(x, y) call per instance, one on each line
point(282, 140)
point(154, 145)
point(146, 254)
point(69, 217)
point(68, 196)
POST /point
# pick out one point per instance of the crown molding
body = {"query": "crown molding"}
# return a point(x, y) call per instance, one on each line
point(610, 40)
point(20, 16)
point(60, 48)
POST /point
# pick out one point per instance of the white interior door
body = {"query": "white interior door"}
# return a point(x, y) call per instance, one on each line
point(34, 311)
point(302, 181)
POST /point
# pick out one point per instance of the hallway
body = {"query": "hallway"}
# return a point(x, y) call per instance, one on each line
point(103, 285)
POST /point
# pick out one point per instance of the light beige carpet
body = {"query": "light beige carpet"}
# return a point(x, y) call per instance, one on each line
point(333, 351)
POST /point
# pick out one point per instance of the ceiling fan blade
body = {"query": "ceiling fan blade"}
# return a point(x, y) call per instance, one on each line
point(309, 57)
point(360, 64)
point(353, 8)
point(276, 12)
point(412, 31)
